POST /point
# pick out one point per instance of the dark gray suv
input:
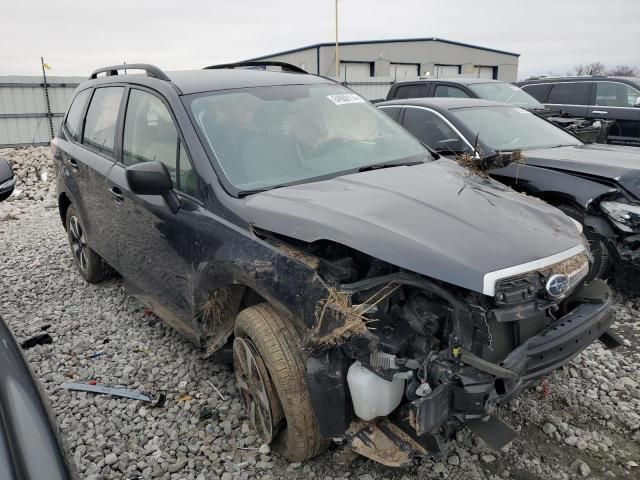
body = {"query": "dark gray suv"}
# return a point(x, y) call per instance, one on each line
point(371, 292)
point(596, 98)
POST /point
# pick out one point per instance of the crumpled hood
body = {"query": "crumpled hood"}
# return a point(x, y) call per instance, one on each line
point(616, 164)
point(436, 219)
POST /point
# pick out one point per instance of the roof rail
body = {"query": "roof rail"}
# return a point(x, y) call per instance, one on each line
point(151, 70)
point(286, 67)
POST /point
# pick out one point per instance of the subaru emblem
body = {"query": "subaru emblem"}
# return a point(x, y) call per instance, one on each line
point(557, 285)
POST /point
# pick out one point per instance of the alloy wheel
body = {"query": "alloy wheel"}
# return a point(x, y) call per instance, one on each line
point(78, 243)
point(252, 378)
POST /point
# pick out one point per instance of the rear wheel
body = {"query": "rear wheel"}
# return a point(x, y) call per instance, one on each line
point(270, 372)
point(599, 250)
point(89, 263)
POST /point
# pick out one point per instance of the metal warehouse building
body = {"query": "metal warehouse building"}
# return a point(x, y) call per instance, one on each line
point(370, 67)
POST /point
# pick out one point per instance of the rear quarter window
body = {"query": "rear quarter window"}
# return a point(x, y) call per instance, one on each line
point(539, 92)
point(393, 112)
point(73, 122)
point(570, 93)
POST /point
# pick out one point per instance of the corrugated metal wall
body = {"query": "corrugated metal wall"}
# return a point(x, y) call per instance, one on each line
point(23, 108)
point(374, 88)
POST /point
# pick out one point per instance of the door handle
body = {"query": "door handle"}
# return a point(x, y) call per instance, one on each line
point(599, 112)
point(117, 194)
point(73, 163)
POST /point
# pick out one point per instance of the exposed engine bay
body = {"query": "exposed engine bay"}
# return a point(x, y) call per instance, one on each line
point(399, 359)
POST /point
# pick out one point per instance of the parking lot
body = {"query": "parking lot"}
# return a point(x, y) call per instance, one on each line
point(584, 421)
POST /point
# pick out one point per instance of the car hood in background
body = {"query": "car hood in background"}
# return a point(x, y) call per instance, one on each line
point(435, 219)
point(615, 164)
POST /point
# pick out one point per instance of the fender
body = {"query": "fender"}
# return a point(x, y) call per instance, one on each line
point(552, 184)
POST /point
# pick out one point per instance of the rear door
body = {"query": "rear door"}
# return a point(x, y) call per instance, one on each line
point(156, 247)
point(572, 98)
point(87, 158)
point(616, 101)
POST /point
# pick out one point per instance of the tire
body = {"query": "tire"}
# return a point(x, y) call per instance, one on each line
point(602, 258)
point(279, 345)
point(90, 265)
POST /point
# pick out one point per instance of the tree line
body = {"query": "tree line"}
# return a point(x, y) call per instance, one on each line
point(599, 68)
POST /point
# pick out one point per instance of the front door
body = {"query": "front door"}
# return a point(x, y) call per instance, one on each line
point(616, 101)
point(157, 248)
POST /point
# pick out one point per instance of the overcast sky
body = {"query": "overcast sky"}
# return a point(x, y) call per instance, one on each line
point(76, 37)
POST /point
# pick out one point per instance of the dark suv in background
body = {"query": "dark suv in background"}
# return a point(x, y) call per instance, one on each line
point(498, 91)
point(594, 98)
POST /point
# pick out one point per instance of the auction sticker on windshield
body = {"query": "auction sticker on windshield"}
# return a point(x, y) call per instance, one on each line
point(345, 98)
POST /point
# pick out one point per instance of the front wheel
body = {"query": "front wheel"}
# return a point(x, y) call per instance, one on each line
point(602, 258)
point(89, 263)
point(270, 372)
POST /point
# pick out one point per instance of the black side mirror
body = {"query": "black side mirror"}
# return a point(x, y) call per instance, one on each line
point(7, 179)
point(152, 178)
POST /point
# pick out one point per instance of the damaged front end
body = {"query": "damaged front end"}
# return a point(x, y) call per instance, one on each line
point(398, 362)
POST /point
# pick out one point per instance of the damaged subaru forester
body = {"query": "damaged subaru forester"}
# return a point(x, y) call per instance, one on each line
point(371, 292)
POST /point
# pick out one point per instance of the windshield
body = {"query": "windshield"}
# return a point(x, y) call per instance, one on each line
point(505, 92)
point(265, 137)
point(511, 128)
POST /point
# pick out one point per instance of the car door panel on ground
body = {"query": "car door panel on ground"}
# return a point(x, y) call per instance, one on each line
point(157, 252)
point(616, 101)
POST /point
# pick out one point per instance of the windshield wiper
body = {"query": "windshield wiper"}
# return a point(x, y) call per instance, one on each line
point(393, 163)
point(246, 193)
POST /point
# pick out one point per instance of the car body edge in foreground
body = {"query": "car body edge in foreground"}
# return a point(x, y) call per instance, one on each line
point(30, 446)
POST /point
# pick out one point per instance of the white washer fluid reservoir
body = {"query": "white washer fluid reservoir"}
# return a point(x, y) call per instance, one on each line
point(373, 396)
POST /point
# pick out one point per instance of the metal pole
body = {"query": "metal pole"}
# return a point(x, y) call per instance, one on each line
point(337, 47)
point(46, 97)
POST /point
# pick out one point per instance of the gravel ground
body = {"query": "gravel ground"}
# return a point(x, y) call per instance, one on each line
point(585, 424)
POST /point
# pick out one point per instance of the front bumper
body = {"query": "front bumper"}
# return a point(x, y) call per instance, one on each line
point(476, 393)
point(565, 338)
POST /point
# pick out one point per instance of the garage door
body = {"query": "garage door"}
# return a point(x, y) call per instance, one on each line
point(355, 71)
point(485, 72)
point(401, 71)
point(447, 71)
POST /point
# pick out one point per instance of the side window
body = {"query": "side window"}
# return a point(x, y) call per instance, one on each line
point(409, 91)
point(610, 94)
point(539, 92)
point(432, 130)
point(569, 93)
point(150, 135)
point(449, 91)
point(100, 125)
point(73, 123)
point(393, 112)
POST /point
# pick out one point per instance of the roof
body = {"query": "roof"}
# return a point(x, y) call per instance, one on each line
point(196, 81)
point(445, 103)
point(393, 40)
point(458, 80)
point(580, 78)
